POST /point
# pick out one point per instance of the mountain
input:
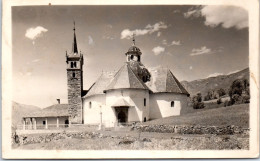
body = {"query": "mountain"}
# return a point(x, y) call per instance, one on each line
point(20, 110)
point(221, 81)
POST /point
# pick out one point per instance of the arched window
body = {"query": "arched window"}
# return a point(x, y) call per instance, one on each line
point(75, 64)
point(138, 58)
point(73, 74)
point(90, 104)
point(172, 103)
point(145, 102)
point(132, 57)
point(145, 119)
point(71, 64)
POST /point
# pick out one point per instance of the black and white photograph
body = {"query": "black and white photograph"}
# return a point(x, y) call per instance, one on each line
point(178, 78)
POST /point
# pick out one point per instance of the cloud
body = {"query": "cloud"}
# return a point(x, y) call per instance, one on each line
point(108, 37)
point(158, 50)
point(149, 29)
point(190, 67)
point(33, 33)
point(164, 42)
point(226, 16)
point(109, 26)
point(215, 74)
point(36, 60)
point(90, 40)
point(176, 43)
point(193, 12)
point(159, 34)
point(201, 51)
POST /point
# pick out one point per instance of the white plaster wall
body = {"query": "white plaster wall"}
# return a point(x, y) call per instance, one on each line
point(91, 115)
point(51, 121)
point(160, 104)
point(135, 97)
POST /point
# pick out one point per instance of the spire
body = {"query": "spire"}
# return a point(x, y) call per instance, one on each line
point(133, 39)
point(74, 45)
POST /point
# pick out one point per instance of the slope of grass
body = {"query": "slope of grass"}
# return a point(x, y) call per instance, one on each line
point(237, 115)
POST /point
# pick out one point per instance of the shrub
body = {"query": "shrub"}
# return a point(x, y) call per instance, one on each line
point(197, 101)
point(219, 101)
point(198, 105)
point(226, 102)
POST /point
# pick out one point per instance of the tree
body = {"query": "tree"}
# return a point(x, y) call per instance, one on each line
point(239, 91)
point(197, 101)
point(221, 92)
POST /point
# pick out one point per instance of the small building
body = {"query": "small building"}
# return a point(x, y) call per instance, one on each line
point(55, 116)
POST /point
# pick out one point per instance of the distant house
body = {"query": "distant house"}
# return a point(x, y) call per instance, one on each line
point(47, 118)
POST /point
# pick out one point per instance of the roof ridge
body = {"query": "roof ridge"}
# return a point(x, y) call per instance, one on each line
point(175, 80)
point(179, 84)
point(137, 77)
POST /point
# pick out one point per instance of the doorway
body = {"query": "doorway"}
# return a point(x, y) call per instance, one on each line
point(121, 114)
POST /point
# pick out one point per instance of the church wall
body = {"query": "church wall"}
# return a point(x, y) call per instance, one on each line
point(91, 111)
point(135, 97)
point(161, 104)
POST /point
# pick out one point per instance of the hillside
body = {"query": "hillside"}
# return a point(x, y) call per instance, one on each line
point(221, 81)
point(237, 115)
point(20, 110)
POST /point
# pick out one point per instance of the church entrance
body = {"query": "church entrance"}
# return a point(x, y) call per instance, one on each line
point(121, 114)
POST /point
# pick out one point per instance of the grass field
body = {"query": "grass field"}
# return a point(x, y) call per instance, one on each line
point(237, 115)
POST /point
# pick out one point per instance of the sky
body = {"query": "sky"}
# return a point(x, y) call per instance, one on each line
point(194, 42)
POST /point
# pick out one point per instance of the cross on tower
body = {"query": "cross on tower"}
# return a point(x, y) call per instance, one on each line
point(134, 39)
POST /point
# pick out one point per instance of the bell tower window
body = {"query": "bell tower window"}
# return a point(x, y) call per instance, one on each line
point(132, 57)
point(73, 74)
point(71, 64)
point(75, 64)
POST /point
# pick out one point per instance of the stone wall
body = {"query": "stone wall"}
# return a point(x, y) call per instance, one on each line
point(183, 129)
point(74, 95)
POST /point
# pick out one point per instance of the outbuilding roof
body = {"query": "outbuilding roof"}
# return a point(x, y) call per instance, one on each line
point(162, 80)
point(125, 78)
point(56, 110)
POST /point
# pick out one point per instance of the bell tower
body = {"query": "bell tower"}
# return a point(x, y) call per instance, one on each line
point(75, 61)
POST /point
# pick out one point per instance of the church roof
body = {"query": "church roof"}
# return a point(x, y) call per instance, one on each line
point(51, 111)
point(126, 79)
point(162, 80)
point(100, 85)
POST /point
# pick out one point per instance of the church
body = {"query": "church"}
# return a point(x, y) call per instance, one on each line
point(132, 94)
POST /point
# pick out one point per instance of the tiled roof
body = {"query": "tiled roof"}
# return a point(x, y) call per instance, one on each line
point(100, 85)
point(126, 79)
point(162, 80)
point(51, 111)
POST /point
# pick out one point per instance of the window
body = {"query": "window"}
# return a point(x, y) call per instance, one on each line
point(43, 122)
point(172, 103)
point(132, 57)
point(145, 102)
point(71, 64)
point(75, 64)
point(73, 74)
point(138, 58)
point(145, 119)
point(90, 104)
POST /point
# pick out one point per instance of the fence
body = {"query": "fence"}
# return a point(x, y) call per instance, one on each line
point(41, 127)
